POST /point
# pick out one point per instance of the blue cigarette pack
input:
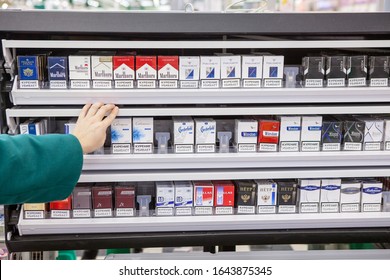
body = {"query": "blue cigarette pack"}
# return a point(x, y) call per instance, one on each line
point(28, 67)
point(58, 67)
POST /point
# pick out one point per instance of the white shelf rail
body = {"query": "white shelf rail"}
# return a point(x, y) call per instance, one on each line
point(236, 160)
point(230, 174)
point(203, 223)
point(199, 96)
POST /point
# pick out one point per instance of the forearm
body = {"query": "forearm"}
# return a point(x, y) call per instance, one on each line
point(38, 168)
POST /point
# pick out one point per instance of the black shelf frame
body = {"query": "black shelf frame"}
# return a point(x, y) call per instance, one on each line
point(55, 25)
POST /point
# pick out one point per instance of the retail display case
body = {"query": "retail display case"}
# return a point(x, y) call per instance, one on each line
point(291, 35)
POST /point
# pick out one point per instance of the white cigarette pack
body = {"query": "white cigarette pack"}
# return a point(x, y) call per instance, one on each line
point(205, 135)
point(210, 71)
point(311, 133)
point(290, 133)
point(245, 135)
point(309, 195)
point(183, 135)
point(330, 195)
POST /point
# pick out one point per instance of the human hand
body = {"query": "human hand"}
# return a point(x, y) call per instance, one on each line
point(91, 128)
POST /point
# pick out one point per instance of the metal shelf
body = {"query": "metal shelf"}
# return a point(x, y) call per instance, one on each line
point(269, 254)
point(166, 23)
point(40, 111)
point(236, 44)
point(200, 96)
point(235, 160)
point(203, 223)
point(231, 174)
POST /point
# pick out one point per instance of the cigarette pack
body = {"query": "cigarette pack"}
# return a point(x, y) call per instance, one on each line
point(224, 197)
point(330, 195)
point(268, 135)
point(266, 196)
point(357, 70)
point(121, 136)
point(146, 71)
point(184, 195)
point(350, 196)
point(102, 201)
point(165, 198)
point(331, 134)
point(168, 71)
point(371, 196)
point(290, 133)
point(82, 202)
point(210, 71)
point(189, 71)
point(273, 70)
point(203, 197)
point(373, 133)
point(79, 71)
point(379, 71)
point(336, 71)
point(124, 200)
point(311, 133)
point(246, 192)
point(34, 210)
point(58, 71)
point(287, 196)
point(309, 195)
point(124, 71)
point(245, 135)
point(143, 135)
point(102, 71)
point(313, 71)
point(205, 135)
point(353, 135)
point(61, 208)
point(231, 71)
point(252, 71)
point(183, 133)
point(29, 71)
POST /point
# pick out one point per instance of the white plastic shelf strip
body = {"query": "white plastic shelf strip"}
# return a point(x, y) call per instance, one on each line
point(199, 96)
point(236, 160)
point(203, 223)
point(230, 174)
point(40, 111)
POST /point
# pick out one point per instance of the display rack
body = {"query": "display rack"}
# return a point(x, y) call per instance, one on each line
point(292, 34)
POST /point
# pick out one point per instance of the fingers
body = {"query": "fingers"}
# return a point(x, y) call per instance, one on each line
point(103, 111)
point(107, 121)
point(94, 108)
point(84, 111)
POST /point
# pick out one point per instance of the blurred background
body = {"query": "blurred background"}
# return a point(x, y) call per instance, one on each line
point(249, 6)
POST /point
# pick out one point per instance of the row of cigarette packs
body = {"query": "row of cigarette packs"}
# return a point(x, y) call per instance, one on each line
point(214, 197)
point(259, 134)
point(339, 71)
point(226, 71)
point(151, 71)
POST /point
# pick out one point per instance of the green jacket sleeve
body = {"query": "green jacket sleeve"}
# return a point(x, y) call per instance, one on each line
point(37, 169)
